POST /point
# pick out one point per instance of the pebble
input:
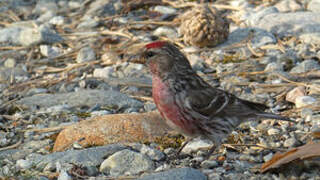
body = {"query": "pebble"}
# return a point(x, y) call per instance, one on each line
point(295, 93)
point(294, 23)
point(288, 6)
point(106, 72)
point(86, 54)
point(154, 154)
point(86, 98)
point(126, 162)
point(10, 63)
point(291, 142)
point(57, 20)
point(273, 131)
point(88, 23)
point(305, 112)
point(176, 174)
point(258, 16)
point(64, 176)
point(150, 106)
point(305, 66)
point(208, 164)
point(274, 67)
point(42, 34)
point(303, 101)
point(100, 113)
point(267, 157)
point(166, 31)
point(85, 157)
point(314, 6)
point(50, 51)
point(196, 145)
point(165, 10)
point(23, 164)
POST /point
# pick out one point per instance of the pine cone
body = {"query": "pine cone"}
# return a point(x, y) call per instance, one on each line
point(203, 26)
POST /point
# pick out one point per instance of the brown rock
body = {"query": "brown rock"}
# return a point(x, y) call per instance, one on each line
point(108, 129)
point(294, 93)
point(203, 26)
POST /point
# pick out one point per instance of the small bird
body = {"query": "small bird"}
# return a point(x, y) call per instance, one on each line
point(189, 104)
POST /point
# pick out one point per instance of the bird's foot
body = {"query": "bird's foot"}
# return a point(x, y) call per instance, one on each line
point(210, 152)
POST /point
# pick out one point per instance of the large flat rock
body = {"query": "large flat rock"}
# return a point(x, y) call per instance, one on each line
point(81, 98)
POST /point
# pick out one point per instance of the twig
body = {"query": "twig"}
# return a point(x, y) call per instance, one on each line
point(117, 33)
point(164, 23)
point(12, 48)
point(192, 4)
point(293, 82)
point(253, 51)
point(254, 145)
point(12, 146)
point(45, 130)
point(68, 68)
point(143, 98)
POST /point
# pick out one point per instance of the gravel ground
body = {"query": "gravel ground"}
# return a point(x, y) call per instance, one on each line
point(63, 62)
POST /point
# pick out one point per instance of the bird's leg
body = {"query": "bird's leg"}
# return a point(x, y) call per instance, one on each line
point(183, 145)
point(212, 149)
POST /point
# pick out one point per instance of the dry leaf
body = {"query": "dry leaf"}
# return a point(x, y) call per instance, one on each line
point(300, 153)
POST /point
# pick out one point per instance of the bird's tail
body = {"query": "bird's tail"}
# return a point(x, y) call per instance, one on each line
point(274, 116)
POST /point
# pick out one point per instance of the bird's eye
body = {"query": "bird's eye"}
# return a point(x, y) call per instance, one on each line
point(149, 54)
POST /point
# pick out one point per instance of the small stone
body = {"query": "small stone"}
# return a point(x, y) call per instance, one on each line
point(273, 131)
point(288, 6)
point(166, 31)
point(302, 101)
point(176, 174)
point(88, 23)
point(150, 106)
point(208, 164)
point(100, 113)
point(50, 51)
point(86, 54)
point(154, 154)
point(258, 16)
point(34, 91)
point(294, 93)
point(196, 62)
point(310, 38)
point(291, 142)
point(57, 20)
point(50, 167)
point(106, 72)
point(110, 58)
point(45, 17)
point(305, 112)
point(196, 145)
point(162, 168)
point(305, 66)
point(169, 151)
point(92, 170)
point(314, 6)
point(267, 157)
point(24, 164)
point(165, 10)
point(42, 34)
point(10, 63)
point(64, 176)
point(274, 67)
point(126, 162)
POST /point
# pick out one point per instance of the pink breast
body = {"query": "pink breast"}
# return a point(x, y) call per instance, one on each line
point(164, 100)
